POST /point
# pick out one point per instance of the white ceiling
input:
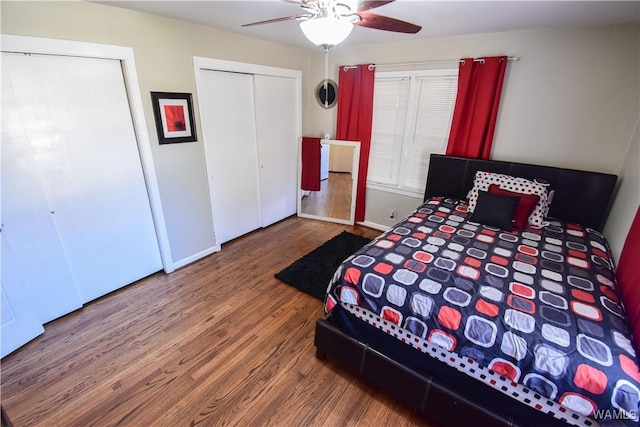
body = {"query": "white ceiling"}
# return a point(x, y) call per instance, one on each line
point(437, 18)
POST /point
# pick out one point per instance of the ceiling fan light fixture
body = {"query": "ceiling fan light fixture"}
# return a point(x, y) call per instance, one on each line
point(326, 31)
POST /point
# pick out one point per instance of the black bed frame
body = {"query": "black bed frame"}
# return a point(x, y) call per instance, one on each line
point(580, 196)
point(432, 388)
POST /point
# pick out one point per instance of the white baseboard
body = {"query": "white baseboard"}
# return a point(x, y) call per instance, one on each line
point(374, 225)
point(195, 257)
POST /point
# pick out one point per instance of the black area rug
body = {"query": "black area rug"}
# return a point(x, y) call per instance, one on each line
point(311, 273)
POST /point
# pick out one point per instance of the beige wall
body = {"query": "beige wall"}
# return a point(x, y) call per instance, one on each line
point(164, 50)
point(572, 100)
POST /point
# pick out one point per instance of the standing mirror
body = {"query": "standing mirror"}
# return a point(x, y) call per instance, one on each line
point(335, 201)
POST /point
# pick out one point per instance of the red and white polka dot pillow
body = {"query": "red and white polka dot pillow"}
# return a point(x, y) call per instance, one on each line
point(483, 180)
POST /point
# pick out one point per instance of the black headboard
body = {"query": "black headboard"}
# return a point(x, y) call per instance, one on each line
point(582, 197)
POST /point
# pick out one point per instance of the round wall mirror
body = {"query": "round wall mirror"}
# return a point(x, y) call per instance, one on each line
point(328, 97)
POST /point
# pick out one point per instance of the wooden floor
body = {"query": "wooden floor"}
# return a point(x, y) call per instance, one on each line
point(219, 342)
point(334, 198)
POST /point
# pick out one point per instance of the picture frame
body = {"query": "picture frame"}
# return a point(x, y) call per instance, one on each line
point(173, 113)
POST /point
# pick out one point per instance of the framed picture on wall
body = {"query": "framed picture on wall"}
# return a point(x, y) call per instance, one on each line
point(174, 117)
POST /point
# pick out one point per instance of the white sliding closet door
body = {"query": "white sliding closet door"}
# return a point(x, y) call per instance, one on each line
point(226, 104)
point(275, 112)
point(20, 322)
point(71, 169)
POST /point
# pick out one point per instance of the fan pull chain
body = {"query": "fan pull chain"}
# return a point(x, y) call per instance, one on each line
point(326, 77)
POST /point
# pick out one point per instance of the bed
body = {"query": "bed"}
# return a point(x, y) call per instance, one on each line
point(475, 324)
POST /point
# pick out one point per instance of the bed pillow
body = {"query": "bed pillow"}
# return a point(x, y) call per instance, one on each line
point(484, 179)
point(495, 210)
point(550, 192)
point(525, 206)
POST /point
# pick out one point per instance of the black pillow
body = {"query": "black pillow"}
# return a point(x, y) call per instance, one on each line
point(495, 210)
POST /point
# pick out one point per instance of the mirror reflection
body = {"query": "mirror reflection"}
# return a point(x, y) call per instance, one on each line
point(334, 198)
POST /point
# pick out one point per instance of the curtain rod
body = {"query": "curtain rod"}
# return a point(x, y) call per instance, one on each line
point(405, 64)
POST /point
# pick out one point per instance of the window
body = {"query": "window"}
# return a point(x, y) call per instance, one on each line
point(412, 112)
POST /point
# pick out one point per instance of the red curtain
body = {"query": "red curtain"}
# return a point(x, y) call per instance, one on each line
point(476, 110)
point(628, 277)
point(355, 113)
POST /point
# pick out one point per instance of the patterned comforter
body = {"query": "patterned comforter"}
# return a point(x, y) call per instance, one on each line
point(534, 313)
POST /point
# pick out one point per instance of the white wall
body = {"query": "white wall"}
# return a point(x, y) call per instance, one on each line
point(572, 100)
point(164, 50)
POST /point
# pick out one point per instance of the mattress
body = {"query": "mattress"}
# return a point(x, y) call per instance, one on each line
point(533, 313)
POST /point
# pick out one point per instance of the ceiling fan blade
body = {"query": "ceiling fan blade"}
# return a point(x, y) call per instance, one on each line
point(371, 4)
point(379, 22)
point(300, 17)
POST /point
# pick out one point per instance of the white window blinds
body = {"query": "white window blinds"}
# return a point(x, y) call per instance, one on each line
point(390, 105)
point(411, 119)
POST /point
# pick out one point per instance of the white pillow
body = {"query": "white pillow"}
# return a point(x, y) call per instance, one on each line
point(483, 180)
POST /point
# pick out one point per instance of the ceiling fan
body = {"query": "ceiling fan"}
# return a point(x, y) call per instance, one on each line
point(328, 22)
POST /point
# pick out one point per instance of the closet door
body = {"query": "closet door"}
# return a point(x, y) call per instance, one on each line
point(275, 113)
point(69, 129)
point(30, 236)
point(226, 104)
point(20, 322)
